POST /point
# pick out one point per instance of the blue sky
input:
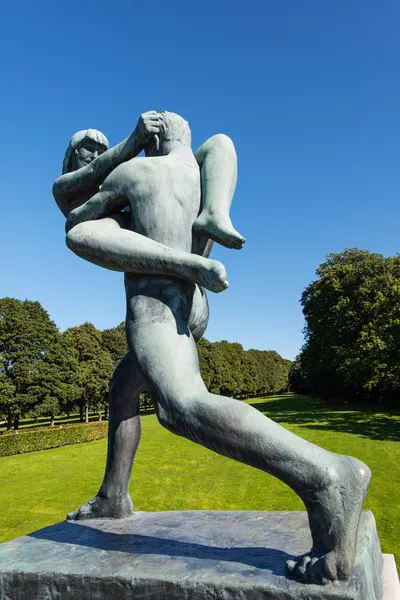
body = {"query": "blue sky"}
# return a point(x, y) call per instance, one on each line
point(309, 91)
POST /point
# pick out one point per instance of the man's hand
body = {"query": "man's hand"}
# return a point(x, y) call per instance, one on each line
point(147, 126)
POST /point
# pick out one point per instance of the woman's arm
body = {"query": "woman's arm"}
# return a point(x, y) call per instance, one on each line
point(76, 187)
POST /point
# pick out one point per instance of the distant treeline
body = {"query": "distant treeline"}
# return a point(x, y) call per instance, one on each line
point(46, 373)
point(352, 334)
point(229, 370)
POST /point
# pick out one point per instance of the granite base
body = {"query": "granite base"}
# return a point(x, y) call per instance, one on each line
point(179, 555)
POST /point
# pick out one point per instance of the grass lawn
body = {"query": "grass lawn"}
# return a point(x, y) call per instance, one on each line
point(171, 473)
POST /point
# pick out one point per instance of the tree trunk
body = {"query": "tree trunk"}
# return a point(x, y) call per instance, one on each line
point(9, 419)
point(16, 422)
point(100, 416)
point(106, 413)
point(86, 413)
point(52, 421)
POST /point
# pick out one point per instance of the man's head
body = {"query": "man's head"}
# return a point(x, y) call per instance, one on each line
point(85, 146)
point(174, 132)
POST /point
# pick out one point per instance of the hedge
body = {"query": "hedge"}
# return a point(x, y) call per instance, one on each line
point(51, 437)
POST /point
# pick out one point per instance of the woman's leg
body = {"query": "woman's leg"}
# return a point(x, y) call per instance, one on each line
point(218, 163)
point(106, 243)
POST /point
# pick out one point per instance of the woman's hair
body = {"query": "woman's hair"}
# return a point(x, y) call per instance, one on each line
point(76, 141)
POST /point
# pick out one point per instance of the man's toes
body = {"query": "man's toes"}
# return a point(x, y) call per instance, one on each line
point(309, 569)
point(290, 565)
point(301, 568)
point(316, 572)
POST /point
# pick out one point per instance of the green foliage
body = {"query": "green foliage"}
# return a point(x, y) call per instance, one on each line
point(229, 370)
point(94, 368)
point(352, 347)
point(45, 373)
point(297, 377)
point(146, 402)
point(36, 368)
point(51, 437)
point(114, 342)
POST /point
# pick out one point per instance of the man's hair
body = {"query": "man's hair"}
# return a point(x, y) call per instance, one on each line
point(174, 128)
point(77, 140)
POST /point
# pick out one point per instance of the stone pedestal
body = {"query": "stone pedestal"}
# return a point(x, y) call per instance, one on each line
point(193, 555)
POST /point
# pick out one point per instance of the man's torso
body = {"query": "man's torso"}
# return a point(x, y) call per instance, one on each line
point(164, 198)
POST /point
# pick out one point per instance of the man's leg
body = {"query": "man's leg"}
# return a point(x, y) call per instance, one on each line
point(107, 244)
point(333, 487)
point(124, 430)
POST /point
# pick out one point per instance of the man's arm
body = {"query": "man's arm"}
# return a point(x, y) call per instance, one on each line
point(82, 183)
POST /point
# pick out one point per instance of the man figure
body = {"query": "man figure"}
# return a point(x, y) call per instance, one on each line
point(110, 243)
point(163, 192)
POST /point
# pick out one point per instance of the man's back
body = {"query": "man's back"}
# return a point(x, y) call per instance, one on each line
point(164, 197)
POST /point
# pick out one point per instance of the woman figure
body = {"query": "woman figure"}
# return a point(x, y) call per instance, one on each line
point(108, 243)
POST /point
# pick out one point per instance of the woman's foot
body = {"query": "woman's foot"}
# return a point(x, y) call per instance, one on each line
point(334, 511)
point(100, 507)
point(219, 229)
point(208, 273)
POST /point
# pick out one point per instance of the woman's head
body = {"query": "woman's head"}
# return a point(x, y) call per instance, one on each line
point(85, 146)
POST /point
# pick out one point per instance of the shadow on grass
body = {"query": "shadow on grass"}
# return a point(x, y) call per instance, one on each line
point(312, 413)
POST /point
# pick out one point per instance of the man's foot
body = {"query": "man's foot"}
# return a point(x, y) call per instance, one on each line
point(334, 511)
point(219, 229)
point(209, 273)
point(101, 507)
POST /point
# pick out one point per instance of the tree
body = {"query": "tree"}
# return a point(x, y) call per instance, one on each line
point(204, 350)
point(230, 370)
point(7, 398)
point(57, 389)
point(352, 333)
point(33, 366)
point(297, 377)
point(272, 372)
point(228, 374)
point(114, 342)
point(94, 369)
